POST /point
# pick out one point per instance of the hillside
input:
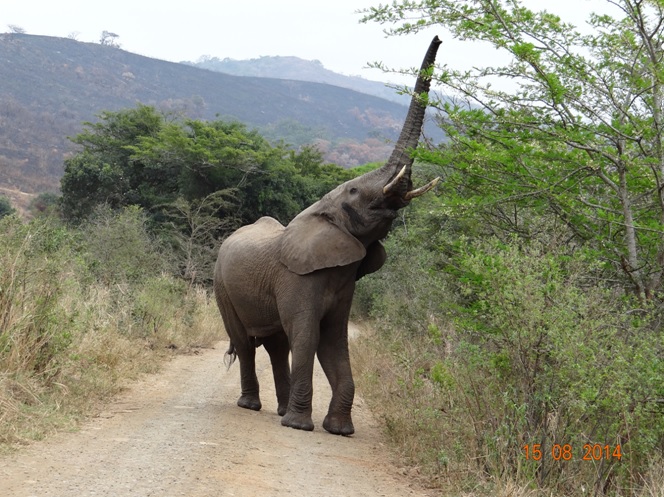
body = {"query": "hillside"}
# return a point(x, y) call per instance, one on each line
point(284, 67)
point(49, 86)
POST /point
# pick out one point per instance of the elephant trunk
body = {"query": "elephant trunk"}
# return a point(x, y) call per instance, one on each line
point(400, 162)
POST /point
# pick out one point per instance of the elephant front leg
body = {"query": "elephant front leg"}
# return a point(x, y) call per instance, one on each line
point(335, 361)
point(303, 342)
point(277, 347)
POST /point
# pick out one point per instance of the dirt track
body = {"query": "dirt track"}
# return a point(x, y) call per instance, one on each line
point(179, 433)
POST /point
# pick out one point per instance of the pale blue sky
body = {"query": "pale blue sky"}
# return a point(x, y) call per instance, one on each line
point(241, 29)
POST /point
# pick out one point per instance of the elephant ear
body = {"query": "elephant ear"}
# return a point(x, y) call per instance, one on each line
point(373, 261)
point(313, 242)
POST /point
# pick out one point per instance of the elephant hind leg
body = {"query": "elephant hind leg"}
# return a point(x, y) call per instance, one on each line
point(278, 348)
point(250, 397)
point(244, 348)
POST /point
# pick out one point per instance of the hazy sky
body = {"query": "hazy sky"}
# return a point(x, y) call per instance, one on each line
point(326, 30)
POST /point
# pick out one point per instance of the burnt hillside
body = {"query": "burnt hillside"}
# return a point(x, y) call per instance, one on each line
point(49, 86)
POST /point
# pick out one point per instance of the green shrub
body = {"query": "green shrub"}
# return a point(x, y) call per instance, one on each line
point(515, 346)
point(37, 270)
point(561, 362)
point(6, 208)
point(118, 247)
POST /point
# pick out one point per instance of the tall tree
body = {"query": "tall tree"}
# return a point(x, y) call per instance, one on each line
point(104, 171)
point(578, 131)
point(138, 157)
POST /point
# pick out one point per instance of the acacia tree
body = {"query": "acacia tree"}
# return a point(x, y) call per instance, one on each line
point(578, 133)
point(109, 39)
point(13, 28)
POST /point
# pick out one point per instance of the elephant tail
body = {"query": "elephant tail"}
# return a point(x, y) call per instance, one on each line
point(230, 356)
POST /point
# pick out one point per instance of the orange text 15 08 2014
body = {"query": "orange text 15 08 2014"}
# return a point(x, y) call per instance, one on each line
point(565, 452)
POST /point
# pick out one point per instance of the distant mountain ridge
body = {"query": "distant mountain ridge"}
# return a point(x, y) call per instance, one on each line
point(49, 86)
point(295, 68)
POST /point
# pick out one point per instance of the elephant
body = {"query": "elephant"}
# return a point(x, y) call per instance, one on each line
point(290, 288)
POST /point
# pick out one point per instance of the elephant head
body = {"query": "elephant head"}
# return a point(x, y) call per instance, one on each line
point(345, 226)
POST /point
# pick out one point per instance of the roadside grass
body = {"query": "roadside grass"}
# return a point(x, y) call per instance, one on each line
point(513, 346)
point(439, 450)
point(388, 375)
point(75, 327)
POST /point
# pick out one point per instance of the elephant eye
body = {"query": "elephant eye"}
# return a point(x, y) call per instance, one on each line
point(353, 190)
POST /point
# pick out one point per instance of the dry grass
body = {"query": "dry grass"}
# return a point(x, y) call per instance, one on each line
point(411, 411)
point(97, 364)
point(437, 451)
point(19, 200)
point(428, 431)
point(69, 341)
point(653, 483)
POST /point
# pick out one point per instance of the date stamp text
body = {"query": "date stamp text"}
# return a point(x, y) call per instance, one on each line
point(565, 452)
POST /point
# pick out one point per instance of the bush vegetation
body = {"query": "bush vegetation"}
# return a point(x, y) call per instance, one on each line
point(483, 347)
point(520, 312)
point(5, 207)
point(81, 311)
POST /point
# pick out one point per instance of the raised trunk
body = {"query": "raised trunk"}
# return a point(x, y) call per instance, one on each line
point(412, 128)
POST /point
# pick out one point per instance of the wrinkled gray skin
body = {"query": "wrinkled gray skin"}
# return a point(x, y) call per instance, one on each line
point(290, 288)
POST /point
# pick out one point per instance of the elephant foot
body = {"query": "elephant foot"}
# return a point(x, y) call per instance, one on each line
point(338, 424)
point(250, 402)
point(298, 421)
point(281, 409)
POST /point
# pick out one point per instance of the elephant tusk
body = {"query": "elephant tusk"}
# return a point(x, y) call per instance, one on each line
point(387, 188)
point(422, 190)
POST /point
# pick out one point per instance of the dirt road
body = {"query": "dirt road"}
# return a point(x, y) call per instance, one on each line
point(179, 433)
